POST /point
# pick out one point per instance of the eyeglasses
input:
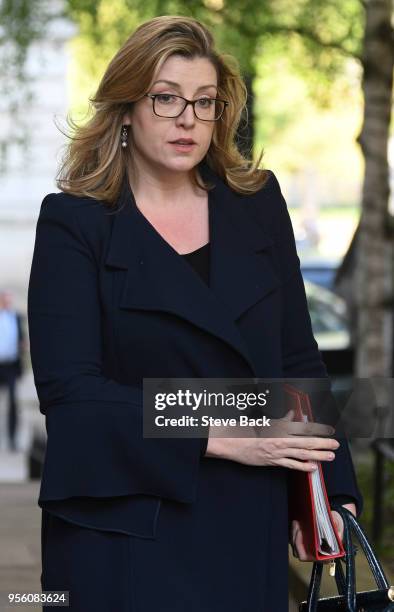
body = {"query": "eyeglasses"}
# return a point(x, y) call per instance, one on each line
point(171, 106)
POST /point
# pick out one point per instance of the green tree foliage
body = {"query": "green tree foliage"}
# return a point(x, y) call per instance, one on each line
point(316, 36)
point(320, 32)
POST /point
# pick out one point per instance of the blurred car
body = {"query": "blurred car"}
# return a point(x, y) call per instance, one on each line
point(320, 271)
point(330, 327)
point(328, 316)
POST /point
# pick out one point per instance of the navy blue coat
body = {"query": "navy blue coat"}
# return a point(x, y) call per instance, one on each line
point(134, 524)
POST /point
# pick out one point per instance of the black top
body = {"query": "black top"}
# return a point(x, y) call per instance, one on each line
point(199, 259)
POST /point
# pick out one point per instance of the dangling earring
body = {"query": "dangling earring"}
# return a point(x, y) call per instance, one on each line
point(123, 136)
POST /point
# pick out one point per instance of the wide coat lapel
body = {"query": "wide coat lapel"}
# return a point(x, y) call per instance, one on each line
point(160, 279)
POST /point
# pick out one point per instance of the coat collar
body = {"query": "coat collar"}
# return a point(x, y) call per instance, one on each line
point(158, 278)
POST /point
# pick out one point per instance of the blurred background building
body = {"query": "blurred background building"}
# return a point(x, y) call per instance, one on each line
point(29, 176)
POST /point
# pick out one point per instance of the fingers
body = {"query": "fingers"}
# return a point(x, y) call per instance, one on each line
point(303, 454)
point(293, 464)
point(311, 429)
point(298, 543)
point(308, 428)
point(287, 427)
point(289, 416)
point(312, 443)
point(294, 530)
point(338, 523)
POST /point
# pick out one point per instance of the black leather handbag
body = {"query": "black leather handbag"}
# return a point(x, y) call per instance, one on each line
point(348, 600)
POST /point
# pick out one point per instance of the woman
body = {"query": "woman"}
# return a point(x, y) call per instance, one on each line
point(159, 259)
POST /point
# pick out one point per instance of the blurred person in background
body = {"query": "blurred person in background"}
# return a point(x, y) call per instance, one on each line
point(12, 345)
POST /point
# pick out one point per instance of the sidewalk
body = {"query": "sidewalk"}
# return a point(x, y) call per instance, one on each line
point(20, 516)
point(20, 523)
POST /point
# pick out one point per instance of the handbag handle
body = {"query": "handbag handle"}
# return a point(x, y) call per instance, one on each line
point(377, 570)
point(347, 585)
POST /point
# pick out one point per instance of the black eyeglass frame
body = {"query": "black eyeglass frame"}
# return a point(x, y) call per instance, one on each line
point(192, 102)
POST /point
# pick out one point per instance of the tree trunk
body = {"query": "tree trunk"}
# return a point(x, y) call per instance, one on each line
point(373, 274)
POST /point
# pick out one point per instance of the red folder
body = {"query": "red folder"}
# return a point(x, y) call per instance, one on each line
point(308, 500)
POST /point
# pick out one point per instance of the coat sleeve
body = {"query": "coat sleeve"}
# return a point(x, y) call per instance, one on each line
point(301, 355)
point(99, 470)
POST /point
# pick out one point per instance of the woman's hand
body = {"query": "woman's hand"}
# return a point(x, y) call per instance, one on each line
point(289, 444)
point(338, 519)
point(297, 536)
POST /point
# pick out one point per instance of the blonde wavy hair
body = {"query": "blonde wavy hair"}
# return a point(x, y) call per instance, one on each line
point(94, 163)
